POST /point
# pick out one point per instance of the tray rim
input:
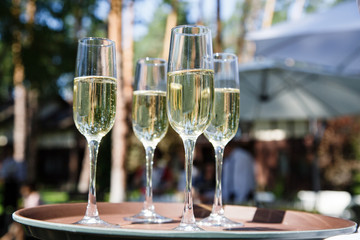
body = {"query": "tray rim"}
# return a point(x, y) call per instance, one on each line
point(79, 229)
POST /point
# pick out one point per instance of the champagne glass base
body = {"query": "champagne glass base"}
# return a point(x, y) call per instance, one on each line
point(188, 227)
point(148, 216)
point(216, 220)
point(96, 222)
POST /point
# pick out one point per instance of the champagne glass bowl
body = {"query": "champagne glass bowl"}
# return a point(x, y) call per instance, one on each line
point(190, 96)
point(150, 124)
point(94, 107)
point(223, 127)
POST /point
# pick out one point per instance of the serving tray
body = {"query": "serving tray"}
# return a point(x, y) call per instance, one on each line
point(55, 222)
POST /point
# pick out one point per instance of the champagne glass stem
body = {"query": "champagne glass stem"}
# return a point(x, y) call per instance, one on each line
point(148, 214)
point(148, 203)
point(91, 210)
point(217, 206)
point(188, 215)
point(217, 217)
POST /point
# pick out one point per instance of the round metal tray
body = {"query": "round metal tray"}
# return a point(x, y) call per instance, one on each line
point(55, 222)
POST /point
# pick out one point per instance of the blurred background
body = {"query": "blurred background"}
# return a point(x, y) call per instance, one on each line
point(300, 93)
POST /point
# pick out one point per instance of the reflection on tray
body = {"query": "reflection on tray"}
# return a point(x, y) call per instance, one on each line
point(268, 216)
point(202, 210)
point(251, 229)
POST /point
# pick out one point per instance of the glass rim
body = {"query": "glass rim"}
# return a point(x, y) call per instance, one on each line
point(97, 41)
point(203, 30)
point(224, 57)
point(152, 61)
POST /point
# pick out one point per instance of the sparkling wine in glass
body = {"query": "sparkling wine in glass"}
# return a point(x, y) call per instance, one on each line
point(190, 98)
point(94, 106)
point(223, 127)
point(150, 124)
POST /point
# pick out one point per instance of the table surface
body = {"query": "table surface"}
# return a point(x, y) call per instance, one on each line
point(55, 222)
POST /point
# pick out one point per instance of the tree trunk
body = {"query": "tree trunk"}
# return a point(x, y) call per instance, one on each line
point(200, 20)
point(246, 53)
point(20, 116)
point(128, 53)
point(118, 149)
point(269, 13)
point(218, 39)
point(171, 21)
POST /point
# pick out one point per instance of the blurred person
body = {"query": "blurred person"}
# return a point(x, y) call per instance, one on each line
point(12, 174)
point(163, 176)
point(205, 183)
point(195, 171)
point(238, 178)
point(8, 175)
point(15, 232)
point(31, 197)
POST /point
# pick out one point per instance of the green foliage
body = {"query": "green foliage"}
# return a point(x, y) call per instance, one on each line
point(51, 197)
point(356, 184)
point(49, 45)
point(6, 69)
point(315, 5)
point(280, 13)
point(152, 44)
point(45, 60)
point(231, 29)
point(181, 13)
point(282, 8)
point(355, 146)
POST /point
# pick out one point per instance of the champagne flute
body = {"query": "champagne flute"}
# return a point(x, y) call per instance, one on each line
point(223, 127)
point(190, 97)
point(150, 124)
point(94, 106)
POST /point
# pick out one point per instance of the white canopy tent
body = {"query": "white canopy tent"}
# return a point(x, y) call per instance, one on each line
point(328, 39)
point(274, 91)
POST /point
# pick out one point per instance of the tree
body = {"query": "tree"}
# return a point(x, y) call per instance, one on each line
point(243, 50)
point(268, 13)
point(34, 35)
point(117, 182)
point(170, 23)
point(20, 113)
point(218, 39)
